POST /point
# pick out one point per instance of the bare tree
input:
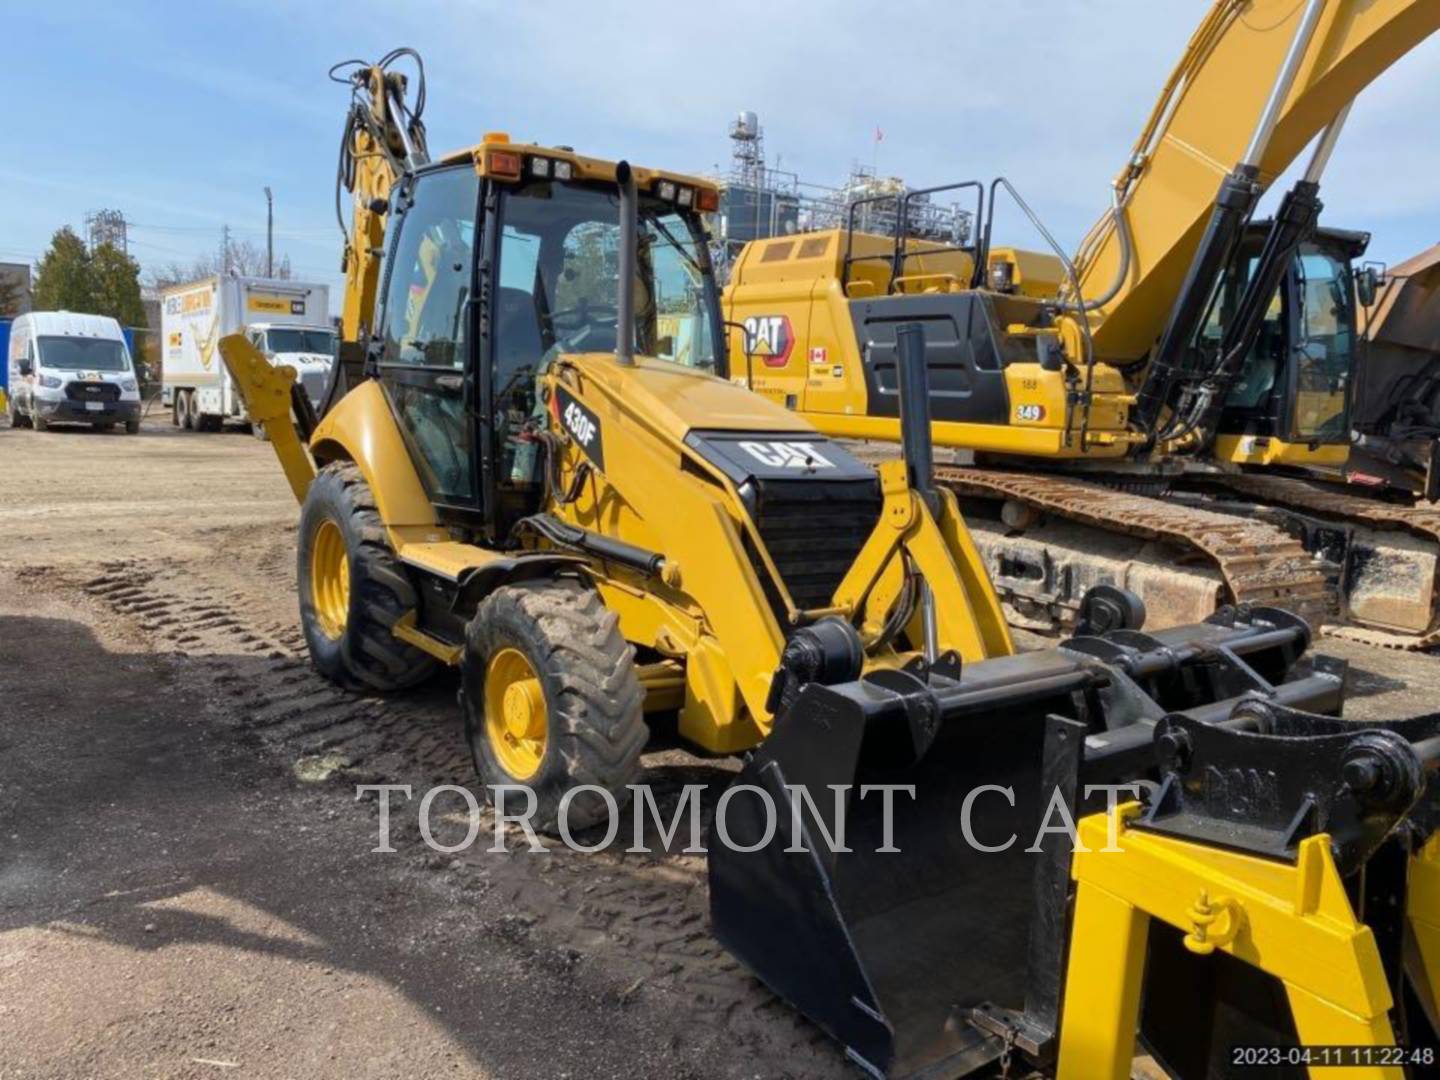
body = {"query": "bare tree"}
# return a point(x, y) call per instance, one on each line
point(241, 257)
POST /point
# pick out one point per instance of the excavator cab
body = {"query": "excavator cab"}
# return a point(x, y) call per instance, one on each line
point(1290, 403)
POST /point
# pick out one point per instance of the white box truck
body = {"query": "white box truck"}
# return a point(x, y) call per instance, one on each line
point(288, 320)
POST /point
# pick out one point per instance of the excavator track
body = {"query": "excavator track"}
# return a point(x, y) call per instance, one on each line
point(1259, 563)
point(1413, 580)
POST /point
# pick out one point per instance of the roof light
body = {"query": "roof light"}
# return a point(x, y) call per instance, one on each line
point(495, 137)
point(563, 170)
point(686, 197)
point(539, 166)
point(504, 164)
point(666, 190)
point(707, 200)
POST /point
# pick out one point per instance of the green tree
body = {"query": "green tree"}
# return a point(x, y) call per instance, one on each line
point(115, 286)
point(11, 295)
point(63, 281)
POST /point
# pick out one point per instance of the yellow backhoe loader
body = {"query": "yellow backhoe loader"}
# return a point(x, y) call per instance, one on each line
point(1183, 338)
point(513, 472)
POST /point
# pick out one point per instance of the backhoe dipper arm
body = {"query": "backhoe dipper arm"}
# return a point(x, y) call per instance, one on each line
point(383, 140)
point(1258, 81)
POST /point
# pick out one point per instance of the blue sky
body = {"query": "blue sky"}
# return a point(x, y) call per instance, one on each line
point(180, 114)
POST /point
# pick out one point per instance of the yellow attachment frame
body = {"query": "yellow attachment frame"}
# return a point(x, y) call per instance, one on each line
point(1294, 922)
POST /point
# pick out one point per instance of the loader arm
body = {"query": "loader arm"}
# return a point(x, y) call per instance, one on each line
point(268, 394)
point(1207, 119)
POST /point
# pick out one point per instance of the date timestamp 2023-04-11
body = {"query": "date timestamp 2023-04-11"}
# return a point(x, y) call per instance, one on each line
point(1321, 1056)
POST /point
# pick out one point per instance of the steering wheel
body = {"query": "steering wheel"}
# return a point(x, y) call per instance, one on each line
point(572, 326)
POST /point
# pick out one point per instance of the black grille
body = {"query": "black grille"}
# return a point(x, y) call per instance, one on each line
point(92, 391)
point(813, 531)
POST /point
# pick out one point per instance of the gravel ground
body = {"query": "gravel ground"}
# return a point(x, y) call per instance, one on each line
point(186, 882)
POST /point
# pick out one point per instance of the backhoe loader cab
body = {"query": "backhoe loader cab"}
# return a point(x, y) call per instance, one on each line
point(492, 277)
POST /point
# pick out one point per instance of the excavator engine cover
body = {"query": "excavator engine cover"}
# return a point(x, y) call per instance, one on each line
point(887, 928)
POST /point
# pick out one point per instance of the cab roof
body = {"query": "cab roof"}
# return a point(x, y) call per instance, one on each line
point(585, 168)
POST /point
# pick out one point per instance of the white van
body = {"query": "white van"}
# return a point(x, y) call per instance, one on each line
point(71, 369)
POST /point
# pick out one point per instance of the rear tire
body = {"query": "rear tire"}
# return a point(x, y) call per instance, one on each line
point(353, 588)
point(570, 712)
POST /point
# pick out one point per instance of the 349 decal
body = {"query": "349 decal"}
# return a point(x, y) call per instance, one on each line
point(1030, 414)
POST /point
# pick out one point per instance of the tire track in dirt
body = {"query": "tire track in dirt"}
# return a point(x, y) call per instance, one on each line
point(641, 918)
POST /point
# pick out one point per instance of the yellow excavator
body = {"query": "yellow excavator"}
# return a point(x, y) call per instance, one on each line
point(533, 464)
point(1183, 338)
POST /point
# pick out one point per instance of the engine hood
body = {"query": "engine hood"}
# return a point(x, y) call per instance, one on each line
point(680, 400)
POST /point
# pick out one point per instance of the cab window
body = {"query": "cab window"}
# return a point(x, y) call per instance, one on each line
point(423, 330)
point(1325, 350)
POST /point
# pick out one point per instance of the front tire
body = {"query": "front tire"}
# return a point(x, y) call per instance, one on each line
point(132, 427)
point(552, 699)
point(39, 423)
point(352, 588)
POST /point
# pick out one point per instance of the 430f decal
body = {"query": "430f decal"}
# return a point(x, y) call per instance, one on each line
point(582, 424)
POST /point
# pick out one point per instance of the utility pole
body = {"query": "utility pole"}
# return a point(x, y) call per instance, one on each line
point(269, 232)
point(225, 250)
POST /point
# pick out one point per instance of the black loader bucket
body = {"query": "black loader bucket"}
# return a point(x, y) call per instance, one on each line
point(920, 944)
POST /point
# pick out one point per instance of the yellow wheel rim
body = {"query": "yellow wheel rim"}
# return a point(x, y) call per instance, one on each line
point(330, 579)
point(516, 719)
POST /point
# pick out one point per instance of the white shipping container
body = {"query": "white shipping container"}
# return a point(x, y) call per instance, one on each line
point(196, 316)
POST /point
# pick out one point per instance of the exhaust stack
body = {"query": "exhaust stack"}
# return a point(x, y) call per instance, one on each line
point(629, 238)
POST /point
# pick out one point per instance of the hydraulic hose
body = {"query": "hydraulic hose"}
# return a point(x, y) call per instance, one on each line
point(1122, 272)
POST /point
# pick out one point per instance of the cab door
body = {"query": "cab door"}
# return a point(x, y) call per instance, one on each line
point(427, 333)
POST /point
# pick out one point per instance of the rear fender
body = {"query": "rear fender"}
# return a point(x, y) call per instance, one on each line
point(361, 428)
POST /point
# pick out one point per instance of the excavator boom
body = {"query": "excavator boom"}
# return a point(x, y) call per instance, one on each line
point(1215, 113)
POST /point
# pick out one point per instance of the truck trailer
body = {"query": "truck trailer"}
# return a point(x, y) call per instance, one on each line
point(288, 320)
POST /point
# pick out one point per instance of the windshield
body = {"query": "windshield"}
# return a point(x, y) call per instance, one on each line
point(295, 339)
point(83, 354)
point(559, 267)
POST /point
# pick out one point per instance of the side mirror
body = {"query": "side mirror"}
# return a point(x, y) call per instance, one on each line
point(1368, 283)
point(26, 368)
